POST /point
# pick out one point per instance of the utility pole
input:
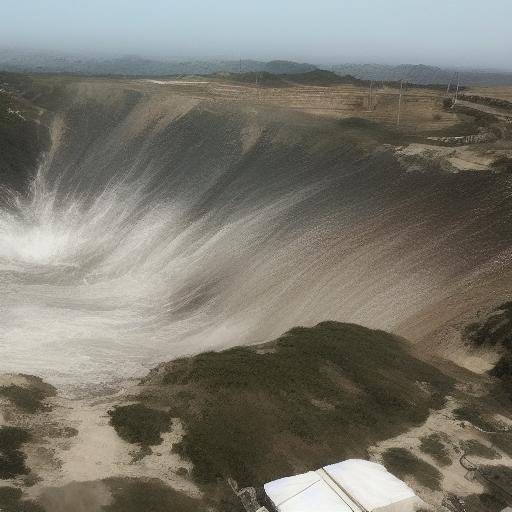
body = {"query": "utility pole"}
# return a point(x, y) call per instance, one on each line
point(400, 102)
point(449, 84)
point(457, 90)
point(240, 66)
point(370, 100)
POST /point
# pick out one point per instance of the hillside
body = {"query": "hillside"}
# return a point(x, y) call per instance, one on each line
point(316, 77)
point(22, 137)
point(184, 216)
point(311, 397)
point(323, 394)
point(341, 215)
point(330, 392)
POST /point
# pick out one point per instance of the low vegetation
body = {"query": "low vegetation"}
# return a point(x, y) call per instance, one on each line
point(402, 463)
point(139, 424)
point(503, 164)
point(12, 459)
point(316, 77)
point(11, 501)
point(484, 502)
point(474, 416)
point(136, 495)
point(487, 100)
point(29, 398)
point(314, 396)
point(495, 331)
point(434, 446)
point(477, 449)
point(498, 480)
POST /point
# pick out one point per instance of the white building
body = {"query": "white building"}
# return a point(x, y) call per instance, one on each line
point(350, 486)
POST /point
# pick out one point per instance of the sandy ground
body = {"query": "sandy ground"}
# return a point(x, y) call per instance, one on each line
point(74, 442)
point(459, 158)
point(74, 449)
point(421, 108)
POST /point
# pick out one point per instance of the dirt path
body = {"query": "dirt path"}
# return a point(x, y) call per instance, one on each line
point(72, 442)
point(485, 109)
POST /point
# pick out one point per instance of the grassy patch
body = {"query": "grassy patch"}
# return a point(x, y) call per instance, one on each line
point(318, 396)
point(499, 475)
point(503, 164)
point(495, 330)
point(10, 501)
point(476, 448)
point(316, 77)
point(12, 460)
point(403, 463)
point(503, 442)
point(135, 495)
point(139, 424)
point(28, 399)
point(485, 502)
point(434, 446)
point(475, 417)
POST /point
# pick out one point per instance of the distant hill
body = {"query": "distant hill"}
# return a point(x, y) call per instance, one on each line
point(315, 77)
point(54, 62)
point(421, 74)
point(45, 62)
point(323, 77)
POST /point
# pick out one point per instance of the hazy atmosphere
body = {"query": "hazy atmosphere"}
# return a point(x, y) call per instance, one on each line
point(459, 33)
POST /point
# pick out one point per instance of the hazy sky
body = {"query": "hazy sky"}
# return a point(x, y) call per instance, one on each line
point(445, 32)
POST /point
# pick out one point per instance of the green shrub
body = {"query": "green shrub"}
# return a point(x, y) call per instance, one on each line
point(12, 460)
point(10, 501)
point(447, 103)
point(136, 495)
point(28, 399)
point(503, 164)
point(473, 416)
point(403, 463)
point(476, 448)
point(434, 446)
point(484, 502)
point(139, 424)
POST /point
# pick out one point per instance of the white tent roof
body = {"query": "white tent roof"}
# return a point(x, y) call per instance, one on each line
point(350, 486)
point(304, 493)
point(370, 484)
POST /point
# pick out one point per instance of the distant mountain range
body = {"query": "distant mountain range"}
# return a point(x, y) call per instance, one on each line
point(29, 62)
point(48, 62)
point(423, 75)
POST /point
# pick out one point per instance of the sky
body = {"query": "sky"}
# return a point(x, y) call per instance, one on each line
point(462, 33)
